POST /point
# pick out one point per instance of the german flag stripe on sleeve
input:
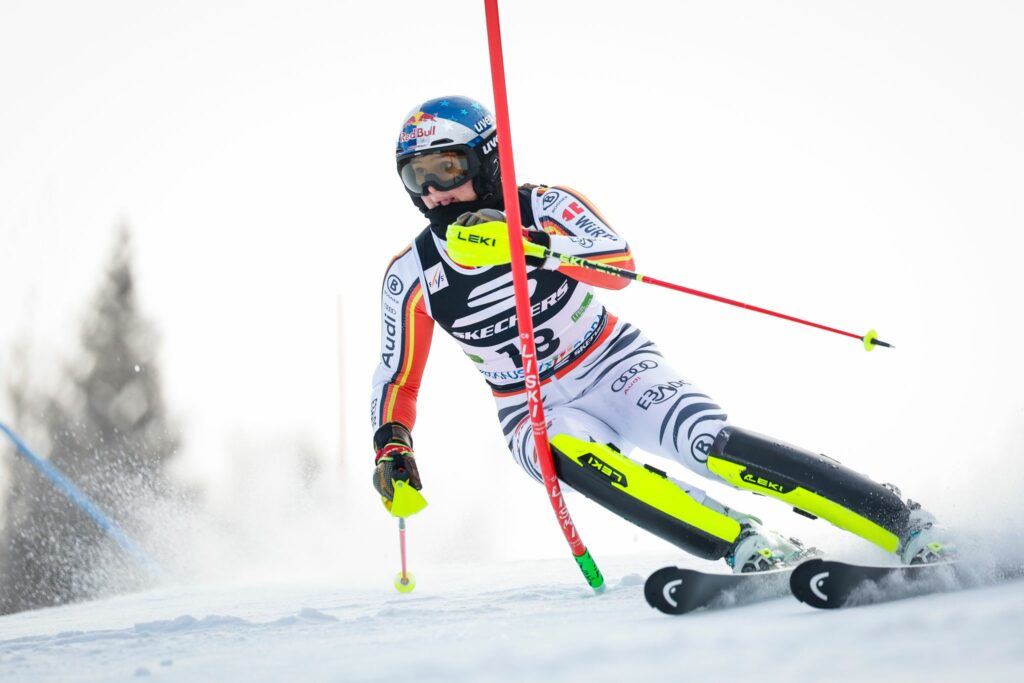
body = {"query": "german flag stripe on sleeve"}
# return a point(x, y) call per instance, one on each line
point(553, 227)
point(400, 393)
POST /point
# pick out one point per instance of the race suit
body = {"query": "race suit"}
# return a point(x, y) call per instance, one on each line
point(601, 378)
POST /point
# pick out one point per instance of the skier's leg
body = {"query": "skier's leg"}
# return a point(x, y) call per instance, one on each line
point(682, 515)
point(634, 390)
point(818, 486)
point(643, 495)
point(813, 484)
point(640, 396)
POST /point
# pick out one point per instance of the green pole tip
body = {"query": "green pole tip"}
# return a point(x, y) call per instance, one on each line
point(590, 571)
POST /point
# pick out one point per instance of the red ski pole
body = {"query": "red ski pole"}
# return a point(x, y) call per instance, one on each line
point(870, 340)
point(405, 581)
point(523, 308)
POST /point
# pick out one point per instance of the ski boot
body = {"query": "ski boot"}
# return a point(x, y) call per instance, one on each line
point(925, 542)
point(758, 550)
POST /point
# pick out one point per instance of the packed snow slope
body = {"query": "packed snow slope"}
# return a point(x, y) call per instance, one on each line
point(512, 621)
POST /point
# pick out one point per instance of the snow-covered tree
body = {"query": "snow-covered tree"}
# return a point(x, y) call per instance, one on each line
point(106, 427)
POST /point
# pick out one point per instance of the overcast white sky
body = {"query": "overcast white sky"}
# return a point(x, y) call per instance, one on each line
point(854, 163)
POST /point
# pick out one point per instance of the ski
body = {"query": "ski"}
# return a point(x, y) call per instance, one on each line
point(827, 584)
point(674, 590)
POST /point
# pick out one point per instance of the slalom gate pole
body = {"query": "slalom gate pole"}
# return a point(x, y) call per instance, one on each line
point(75, 495)
point(870, 340)
point(523, 308)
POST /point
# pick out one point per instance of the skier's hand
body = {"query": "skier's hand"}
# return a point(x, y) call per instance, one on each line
point(480, 238)
point(480, 217)
point(395, 463)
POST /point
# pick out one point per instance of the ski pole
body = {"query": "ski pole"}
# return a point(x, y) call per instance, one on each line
point(404, 581)
point(531, 378)
point(870, 340)
point(405, 501)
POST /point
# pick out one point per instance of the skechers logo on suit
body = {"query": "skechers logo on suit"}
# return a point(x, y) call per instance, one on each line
point(503, 300)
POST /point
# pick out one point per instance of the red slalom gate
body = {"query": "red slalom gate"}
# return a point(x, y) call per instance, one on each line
point(523, 308)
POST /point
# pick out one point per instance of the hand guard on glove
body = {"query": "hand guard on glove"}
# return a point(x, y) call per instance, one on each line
point(480, 239)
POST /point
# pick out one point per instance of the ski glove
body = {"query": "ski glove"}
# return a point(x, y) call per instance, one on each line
point(480, 239)
point(395, 462)
point(395, 477)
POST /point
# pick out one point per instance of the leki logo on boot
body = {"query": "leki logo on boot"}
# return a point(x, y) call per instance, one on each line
point(759, 479)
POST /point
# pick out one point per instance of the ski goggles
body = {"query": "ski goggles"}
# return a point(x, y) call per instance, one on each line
point(442, 169)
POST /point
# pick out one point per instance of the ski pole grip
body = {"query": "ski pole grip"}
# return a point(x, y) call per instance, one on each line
point(590, 571)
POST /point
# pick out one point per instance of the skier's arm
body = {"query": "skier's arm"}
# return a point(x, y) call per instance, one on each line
point(481, 238)
point(406, 331)
point(570, 225)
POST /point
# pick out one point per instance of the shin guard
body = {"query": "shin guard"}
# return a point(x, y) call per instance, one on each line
point(815, 485)
point(644, 496)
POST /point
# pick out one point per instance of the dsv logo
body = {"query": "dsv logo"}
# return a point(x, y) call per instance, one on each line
point(633, 371)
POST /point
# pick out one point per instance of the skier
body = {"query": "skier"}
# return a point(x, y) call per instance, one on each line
point(606, 388)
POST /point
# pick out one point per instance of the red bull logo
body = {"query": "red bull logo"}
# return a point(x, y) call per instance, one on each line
point(417, 133)
point(418, 118)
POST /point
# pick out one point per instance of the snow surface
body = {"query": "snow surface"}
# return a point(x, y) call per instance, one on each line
point(508, 621)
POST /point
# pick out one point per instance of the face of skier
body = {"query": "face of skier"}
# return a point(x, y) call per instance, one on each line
point(439, 178)
point(462, 193)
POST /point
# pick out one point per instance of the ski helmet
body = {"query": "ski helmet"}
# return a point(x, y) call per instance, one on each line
point(443, 143)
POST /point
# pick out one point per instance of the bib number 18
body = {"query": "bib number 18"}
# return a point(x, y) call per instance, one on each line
point(544, 339)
